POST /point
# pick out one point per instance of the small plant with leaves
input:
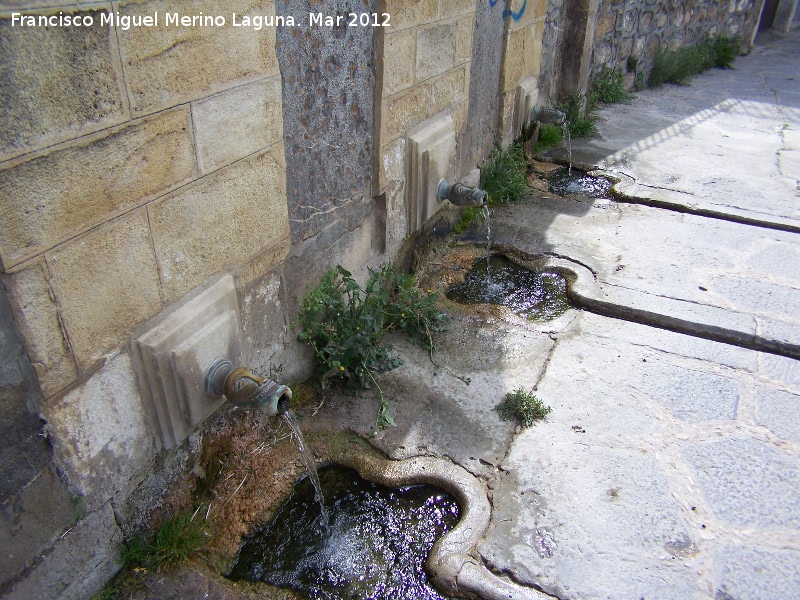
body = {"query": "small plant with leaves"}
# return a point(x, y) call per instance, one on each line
point(505, 175)
point(681, 66)
point(173, 544)
point(523, 407)
point(345, 324)
point(608, 87)
point(580, 119)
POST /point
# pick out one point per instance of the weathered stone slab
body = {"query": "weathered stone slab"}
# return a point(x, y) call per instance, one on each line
point(690, 395)
point(577, 519)
point(159, 76)
point(436, 50)
point(100, 433)
point(53, 197)
point(780, 411)
point(747, 483)
point(56, 82)
point(779, 368)
point(449, 89)
point(106, 283)
point(398, 68)
point(37, 317)
point(402, 111)
point(32, 519)
point(241, 208)
point(91, 548)
point(408, 13)
point(234, 124)
point(747, 573)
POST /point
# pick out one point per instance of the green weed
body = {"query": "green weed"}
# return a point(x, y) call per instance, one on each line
point(608, 87)
point(681, 66)
point(523, 407)
point(504, 175)
point(174, 542)
point(345, 324)
point(549, 135)
point(470, 216)
point(580, 120)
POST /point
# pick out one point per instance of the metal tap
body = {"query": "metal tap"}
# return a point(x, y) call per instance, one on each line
point(244, 389)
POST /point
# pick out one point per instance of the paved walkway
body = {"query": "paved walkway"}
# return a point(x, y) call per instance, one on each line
point(669, 467)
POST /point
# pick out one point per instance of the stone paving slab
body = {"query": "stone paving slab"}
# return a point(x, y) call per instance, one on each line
point(726, 143)
point(694, 274)
point(659, 473)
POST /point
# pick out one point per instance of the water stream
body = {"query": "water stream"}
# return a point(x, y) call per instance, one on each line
point(488, 235)
point(377, 547)
point(568, 138)
point(308, 459)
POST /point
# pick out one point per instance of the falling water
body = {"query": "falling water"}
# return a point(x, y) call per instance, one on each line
point(488, 235)
point(568, 138)
point(308, 459)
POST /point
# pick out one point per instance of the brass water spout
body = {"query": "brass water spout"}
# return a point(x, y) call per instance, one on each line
point(244, 389)
point(548, 115)
point(461, 195)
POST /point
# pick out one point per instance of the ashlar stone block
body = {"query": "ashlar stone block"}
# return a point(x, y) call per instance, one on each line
point(106, 283)
point(221, 221)
point(165, 66)
point(409, 13)
point(51, 198)
point(36, 315)
point(403, 111)
point(100, 433)
point(449, 89)
point(398, 62)
point(436, 50)
point(56, 82)
point(464, 28)
point(234, 124)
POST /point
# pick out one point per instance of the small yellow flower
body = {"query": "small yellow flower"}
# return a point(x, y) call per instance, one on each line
point(341, 368)
point(358, 328)
point(402, 314)
point(430, 291)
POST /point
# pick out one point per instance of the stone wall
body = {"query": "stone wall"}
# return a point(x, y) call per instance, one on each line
point(425, 70)
point(135, 163)
point(522, 56)
point(639, 28)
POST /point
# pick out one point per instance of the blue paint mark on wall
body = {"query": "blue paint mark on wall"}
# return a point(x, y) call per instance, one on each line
point(516, 16)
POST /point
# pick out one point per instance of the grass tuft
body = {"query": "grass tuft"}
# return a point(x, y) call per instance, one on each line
point(505, 175)
point(549, 135)
point(470, 216)
point(174, 542)
point(523, 407)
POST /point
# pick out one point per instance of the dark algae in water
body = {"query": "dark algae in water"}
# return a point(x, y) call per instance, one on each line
point(378, 544)
point(497, 280)
point(564, 183)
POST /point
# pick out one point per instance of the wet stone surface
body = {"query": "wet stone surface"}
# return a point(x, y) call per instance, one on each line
point(497, 280)
point(377, 547)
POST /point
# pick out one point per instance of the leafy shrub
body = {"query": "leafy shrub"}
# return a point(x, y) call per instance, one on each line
point(726, 50)
point(523, 407)
point(174, 542)
point(608, 87)
point(681, 66)
point(345, 324)
point(505, 175)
